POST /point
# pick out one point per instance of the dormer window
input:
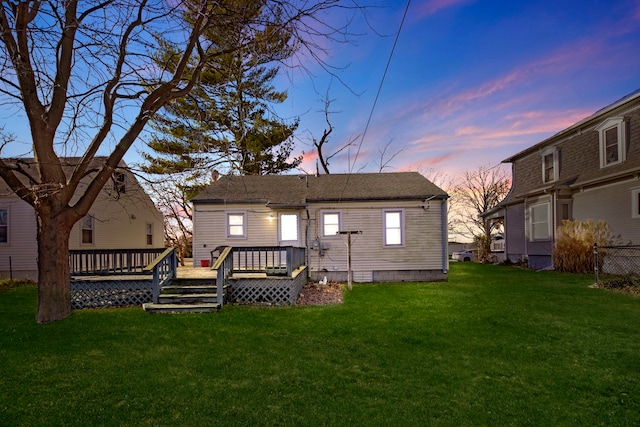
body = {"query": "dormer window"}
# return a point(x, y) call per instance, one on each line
point(549, 165)
point(612, 141)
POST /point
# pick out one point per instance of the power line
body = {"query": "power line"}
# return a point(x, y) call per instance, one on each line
point(384, 75)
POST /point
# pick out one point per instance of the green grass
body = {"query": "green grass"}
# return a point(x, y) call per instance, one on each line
point(493, 346)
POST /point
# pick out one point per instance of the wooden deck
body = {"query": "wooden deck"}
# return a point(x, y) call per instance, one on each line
point(185, 272)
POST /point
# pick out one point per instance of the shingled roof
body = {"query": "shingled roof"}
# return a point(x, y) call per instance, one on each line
point(295, 190)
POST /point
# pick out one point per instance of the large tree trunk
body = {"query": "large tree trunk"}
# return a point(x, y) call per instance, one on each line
point(54, 273)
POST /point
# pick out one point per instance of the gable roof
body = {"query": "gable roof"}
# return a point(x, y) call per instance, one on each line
point(296, 190)
point(598, 115)
point(28, 165)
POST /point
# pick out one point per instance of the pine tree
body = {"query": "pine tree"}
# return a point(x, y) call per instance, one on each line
point(227, 122)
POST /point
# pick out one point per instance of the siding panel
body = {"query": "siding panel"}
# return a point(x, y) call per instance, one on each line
point(613, 205)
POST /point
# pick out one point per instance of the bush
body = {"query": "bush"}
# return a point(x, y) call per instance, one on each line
point(573, 250)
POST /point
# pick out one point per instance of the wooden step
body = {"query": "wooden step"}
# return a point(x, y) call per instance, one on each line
point(189, 289)
point(180, 308)
point(187, 298)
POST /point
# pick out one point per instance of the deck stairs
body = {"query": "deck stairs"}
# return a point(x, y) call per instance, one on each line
point(186, 296)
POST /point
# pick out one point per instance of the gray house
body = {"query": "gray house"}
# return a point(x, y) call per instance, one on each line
point(590, 170)
point(396, 223)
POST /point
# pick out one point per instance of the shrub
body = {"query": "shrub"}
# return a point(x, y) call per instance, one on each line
point(573, 250)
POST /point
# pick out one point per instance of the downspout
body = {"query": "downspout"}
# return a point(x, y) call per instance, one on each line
point(445, 236)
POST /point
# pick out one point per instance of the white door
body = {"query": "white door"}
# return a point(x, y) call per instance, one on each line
point(289, 233)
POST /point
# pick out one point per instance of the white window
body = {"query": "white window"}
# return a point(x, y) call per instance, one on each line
point(236, 225)
point(539, 225)
point(289, 227)
point(635, 203)
point(4, 225)
point(549, 165)
point(87, 230)
point(331, 223)
point(149, 228)
point(393, 224)
point(612, 141)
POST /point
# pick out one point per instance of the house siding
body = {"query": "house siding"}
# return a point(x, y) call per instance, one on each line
point(420, 258)
point(18, 258)
point(611, 204)
point(582, 189)
point(119, 224)
point(369, 258)
point(209, 228)
point(515, 229)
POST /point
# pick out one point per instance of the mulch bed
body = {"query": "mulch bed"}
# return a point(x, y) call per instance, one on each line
point(628, 285)
point(314, 293)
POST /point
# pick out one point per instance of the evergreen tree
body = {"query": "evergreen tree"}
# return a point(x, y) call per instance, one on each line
point(226, 122)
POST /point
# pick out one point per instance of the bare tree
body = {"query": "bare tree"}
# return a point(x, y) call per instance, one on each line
point(385, 159)
point(447, 183)
point(475, 192)
point(324, 155)
point(172, 196)
point(84, 75)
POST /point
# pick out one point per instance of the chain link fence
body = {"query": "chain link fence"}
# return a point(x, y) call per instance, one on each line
point(616, 260)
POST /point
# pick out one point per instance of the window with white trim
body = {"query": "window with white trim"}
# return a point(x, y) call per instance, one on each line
point(149, 229)
point(549, 165)
point(331, 223)
point(393, 224)
point(288, 227)
point(539, 222)
point(236, 225)
point(4, 225)
point(635, 203)
point(612, 141)
point(87, 229)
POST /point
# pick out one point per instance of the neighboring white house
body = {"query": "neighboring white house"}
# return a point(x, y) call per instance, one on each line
point(122, 217)
point(397, 221)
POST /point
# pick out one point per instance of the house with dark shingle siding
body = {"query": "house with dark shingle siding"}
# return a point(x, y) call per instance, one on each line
point(589, 171)
point(398, 222)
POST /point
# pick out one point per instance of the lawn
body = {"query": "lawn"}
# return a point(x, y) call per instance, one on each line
point(493, 346)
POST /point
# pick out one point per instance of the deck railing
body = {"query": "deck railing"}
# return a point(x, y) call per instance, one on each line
point(163, 269)
point(497, 246)
point(111, 261)
point(272, 260)
point(224, 266)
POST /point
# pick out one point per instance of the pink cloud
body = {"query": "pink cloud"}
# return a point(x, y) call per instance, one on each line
point(434, 6)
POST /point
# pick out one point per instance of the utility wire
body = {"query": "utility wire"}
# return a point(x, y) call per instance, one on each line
point(384, 75)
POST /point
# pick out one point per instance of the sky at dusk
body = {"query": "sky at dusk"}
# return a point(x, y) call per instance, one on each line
point(471, 82)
